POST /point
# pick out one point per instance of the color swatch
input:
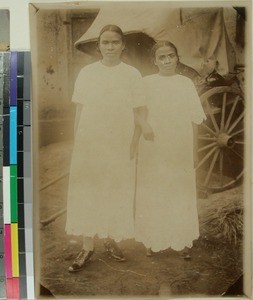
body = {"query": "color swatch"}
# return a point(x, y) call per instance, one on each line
point(16, 250)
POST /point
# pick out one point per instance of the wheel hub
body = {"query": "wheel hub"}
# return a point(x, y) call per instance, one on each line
point(224, 140)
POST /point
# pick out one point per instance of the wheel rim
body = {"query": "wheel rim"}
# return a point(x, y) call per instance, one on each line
point(221, 139)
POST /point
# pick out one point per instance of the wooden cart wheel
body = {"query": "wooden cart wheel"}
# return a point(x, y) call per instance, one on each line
point(221, 139)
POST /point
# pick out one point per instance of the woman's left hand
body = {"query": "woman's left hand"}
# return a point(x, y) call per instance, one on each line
point(147, 132)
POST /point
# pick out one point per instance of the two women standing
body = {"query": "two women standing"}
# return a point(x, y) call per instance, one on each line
point(101, 184)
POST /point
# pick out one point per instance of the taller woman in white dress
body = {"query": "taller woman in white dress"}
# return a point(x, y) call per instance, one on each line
point(101, 183)
point(166, 209)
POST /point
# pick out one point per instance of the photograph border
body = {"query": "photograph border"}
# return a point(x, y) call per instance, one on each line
point(248, 209)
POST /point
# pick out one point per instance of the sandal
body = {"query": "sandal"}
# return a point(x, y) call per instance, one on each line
point(81, 260)
point(113, 251)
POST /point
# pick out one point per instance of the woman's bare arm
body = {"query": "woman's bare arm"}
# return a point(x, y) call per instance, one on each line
point(141, 115)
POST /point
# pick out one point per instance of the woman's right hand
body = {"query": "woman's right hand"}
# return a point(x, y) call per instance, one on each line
point(141, 114)
point(147, 132)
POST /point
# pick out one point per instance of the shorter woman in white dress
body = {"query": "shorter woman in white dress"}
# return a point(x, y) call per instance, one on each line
point(166, 209)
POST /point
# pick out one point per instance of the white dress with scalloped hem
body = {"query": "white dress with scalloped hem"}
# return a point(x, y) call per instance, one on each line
point(166, 208)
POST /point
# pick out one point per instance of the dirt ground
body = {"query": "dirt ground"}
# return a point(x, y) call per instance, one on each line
point(214, 265)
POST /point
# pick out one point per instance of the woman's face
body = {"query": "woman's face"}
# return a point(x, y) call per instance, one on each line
point(166, 60)
point(111, 46)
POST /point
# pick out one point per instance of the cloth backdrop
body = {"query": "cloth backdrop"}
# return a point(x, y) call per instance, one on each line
point(199, 33)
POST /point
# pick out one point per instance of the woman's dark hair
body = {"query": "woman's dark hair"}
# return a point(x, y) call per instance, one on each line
point(113, 28)
point(163, 44)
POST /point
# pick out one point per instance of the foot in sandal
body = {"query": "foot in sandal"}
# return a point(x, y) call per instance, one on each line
point(113, 251)
point(81, 261)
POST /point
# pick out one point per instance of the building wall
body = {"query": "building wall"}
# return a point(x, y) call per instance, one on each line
point(58, 65)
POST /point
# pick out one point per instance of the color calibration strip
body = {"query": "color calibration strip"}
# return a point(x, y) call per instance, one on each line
point(24, 180)
point(5, 243)
point(17, 186)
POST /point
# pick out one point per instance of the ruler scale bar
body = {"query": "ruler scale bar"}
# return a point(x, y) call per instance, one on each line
point(27, 179)
point(24, 188)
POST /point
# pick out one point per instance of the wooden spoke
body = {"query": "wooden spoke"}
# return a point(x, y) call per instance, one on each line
point(229, 102)
point(205, 138)
point(237, 132)
point(207, 156)
point(230, 183)
point(207, 147)
point(221, 167)
point(240, 143)
point(212, 118)
point(221, 138)
point(216, 154)
point(231, 113)
point(236, 122)
point(208, 129)
point(236, 153)
point(222, 123)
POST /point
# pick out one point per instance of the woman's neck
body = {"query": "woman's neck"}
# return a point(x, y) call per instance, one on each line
point(167, 73)
point(110, 63)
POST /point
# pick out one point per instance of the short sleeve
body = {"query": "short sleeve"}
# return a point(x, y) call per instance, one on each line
point(79, 88)
point(138, 92)
point(196, 109)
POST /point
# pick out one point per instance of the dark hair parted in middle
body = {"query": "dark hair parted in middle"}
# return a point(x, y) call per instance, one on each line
point(161, 44)
point(113, 28)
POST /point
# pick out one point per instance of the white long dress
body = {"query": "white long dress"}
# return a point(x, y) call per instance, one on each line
point(166, 210)
point(101, 183)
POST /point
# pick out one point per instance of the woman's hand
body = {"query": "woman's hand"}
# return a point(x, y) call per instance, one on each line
point(141, 116)
point(147, 132)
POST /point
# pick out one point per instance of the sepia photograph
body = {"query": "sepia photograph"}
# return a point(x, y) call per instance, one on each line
point(141, 116)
